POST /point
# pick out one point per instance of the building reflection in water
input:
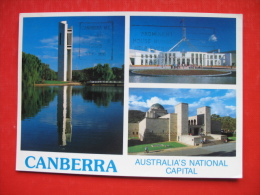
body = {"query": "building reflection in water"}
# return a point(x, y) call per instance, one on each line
point(64, 115)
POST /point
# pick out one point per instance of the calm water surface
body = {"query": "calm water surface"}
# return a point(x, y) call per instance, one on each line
point(73, 119)
point(135, 78)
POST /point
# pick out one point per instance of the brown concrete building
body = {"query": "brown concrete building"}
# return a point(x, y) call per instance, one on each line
point(159, 125)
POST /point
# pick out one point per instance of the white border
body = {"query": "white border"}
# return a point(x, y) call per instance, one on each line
point(125, 163)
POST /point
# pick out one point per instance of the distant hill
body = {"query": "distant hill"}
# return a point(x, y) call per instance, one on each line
point(135, 116)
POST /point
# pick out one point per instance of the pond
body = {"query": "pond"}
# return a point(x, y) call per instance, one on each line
point(196, 79)
point(76, 119)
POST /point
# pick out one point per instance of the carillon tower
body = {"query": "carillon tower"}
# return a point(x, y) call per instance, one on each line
point(65, 52)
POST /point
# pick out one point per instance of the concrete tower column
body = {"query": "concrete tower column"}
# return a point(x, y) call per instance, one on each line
point(181, 110)
point(69, 53)
point(65, 52)
point(207, 118)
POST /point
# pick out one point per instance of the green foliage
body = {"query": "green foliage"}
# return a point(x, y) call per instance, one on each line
point(119, 73)
point(108, 74)
point(215, 117)
point(102, 73)
point(47, 73)
point(34, 71)
point(88, 74)
point(99, 73)
point(157, 146)
point(227, 122)
point(135, 116)
point(78, 75)
point(30, 69)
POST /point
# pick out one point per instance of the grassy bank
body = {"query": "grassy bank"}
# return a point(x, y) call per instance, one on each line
point(155, 146)
point(58, 83)
point(55, 82)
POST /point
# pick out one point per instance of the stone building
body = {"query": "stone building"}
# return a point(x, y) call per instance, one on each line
point(159, 125)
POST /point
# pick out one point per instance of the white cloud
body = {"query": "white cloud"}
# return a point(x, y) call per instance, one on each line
point(50, 43)
point(48, 47)
point(230, 94)
point(154, 100)
point(202, 101)
point(134, 98)
point(213, 38)
point(136, 103)
point(77, 39)
point(191, 93)
point(80, 51)
point(195, 93)
point(222, 104)
point(232, 108)
point(195, 105)
point(47, 57)
point(51, 40)
point(222, 109)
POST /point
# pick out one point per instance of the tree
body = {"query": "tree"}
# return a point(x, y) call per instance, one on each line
point(78, 75)
point(99, 73)
point(215, 117)
point(47, 73)
point(31, 69)
point(107, 73)
point(119, 73)
point(227, 122)
point(34, 71)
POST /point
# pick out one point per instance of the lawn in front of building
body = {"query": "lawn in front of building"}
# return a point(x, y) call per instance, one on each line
point(154, 146)
point(231, 138)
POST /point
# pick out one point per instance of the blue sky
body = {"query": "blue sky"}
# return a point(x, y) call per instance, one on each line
point(221, 101)
point(40, 38)
point(162, 33)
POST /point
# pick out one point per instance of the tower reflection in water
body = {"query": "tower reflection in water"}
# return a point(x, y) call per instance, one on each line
point(64, 115)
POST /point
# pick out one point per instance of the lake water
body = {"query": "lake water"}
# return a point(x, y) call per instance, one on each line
point(74, 119)
point(231, 79)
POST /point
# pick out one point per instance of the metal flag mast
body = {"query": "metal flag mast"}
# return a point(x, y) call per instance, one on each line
point(161, 57)
point(184, 38)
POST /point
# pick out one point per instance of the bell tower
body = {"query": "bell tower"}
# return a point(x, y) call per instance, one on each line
point(65, 37)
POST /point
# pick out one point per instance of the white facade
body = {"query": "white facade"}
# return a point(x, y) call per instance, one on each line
point(65, 52)
point(155, 57)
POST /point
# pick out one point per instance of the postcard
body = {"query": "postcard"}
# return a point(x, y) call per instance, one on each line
point(154, 94)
